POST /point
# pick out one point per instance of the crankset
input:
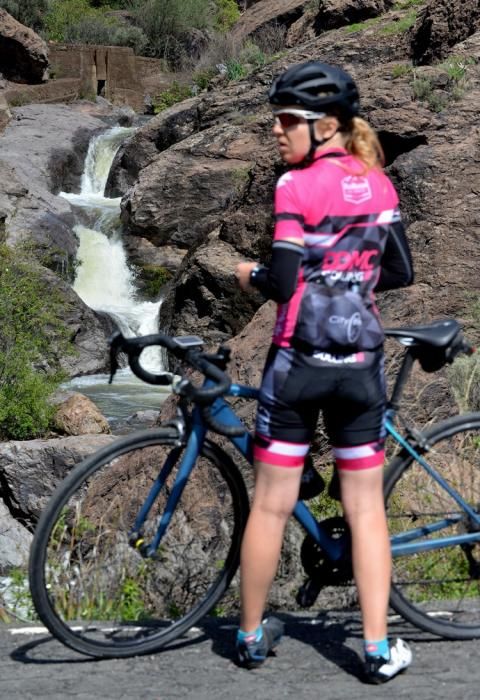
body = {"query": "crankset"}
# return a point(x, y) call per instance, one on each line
point(321, 570)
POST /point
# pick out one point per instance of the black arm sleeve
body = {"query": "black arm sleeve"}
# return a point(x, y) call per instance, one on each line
point(396, 266)
point(279, 281)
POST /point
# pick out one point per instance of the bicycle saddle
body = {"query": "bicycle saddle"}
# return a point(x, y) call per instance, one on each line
point(439, 334)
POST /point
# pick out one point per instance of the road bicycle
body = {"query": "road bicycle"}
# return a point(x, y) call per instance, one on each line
point(142, 539)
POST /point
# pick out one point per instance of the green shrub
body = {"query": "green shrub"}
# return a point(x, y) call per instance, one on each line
point(63, 13)
point(252, 54)
point(28, 12)
point(202, 78)
point(29, 319)
point(422, 88)
point(401, 26)
point(92, 29)
point(165, 23)
point(226, 15)
point(131, 36)
point(99, 29)
point(236, 70)
point(167, 98)
point(400, 70)
point(456, 67)
point(153, 279)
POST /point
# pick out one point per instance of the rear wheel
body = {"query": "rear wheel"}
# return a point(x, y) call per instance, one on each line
point(438, 590)
point(94, 591)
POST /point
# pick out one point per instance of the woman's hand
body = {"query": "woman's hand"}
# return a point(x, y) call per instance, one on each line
point(242, 273)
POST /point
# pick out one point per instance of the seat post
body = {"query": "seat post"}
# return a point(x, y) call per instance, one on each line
point(402, 378)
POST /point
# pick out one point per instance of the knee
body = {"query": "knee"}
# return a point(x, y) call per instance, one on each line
point(358, 510)
point(279, 508)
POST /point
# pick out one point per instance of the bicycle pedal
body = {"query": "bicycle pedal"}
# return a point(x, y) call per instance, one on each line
point(308, 593)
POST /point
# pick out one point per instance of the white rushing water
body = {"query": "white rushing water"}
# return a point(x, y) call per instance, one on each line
point(106, 283)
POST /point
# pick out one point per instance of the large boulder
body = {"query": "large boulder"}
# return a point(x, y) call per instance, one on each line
point(440, 25)
point(266, 13)
point(30, 470)
point(78, 415)
point(162, 131)
point(45, 145)
point(23, 54)
point(205, 295)
point(184, 192)
point(339, 13)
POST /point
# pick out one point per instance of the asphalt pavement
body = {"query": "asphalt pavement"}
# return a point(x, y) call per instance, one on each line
point(319, 658)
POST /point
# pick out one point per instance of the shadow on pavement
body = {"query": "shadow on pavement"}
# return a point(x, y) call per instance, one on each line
point(331, 634)
point(23, 654)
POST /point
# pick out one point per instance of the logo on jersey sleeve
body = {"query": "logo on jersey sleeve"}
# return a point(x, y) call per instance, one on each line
point(356, 189)
point(286, 177)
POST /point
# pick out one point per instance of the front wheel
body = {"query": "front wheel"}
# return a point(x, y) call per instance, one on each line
point(93, 589)
point(438, 590)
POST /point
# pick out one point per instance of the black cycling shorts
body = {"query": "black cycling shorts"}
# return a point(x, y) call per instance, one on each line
point(349, 390)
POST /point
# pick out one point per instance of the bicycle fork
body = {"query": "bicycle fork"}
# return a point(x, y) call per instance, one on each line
point(192, 450)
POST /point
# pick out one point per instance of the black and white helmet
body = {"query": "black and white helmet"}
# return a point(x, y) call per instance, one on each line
point(319, 87)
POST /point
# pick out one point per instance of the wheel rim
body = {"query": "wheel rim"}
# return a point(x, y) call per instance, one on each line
point(104, 595)
point(441, 587)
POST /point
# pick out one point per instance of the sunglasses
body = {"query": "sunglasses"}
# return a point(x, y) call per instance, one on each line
point(291, 116)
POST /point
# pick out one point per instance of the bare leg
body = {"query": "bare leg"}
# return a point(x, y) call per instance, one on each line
point(362, 499)
point(276, 492)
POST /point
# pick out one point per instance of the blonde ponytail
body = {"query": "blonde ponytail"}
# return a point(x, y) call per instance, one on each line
point(362, 141)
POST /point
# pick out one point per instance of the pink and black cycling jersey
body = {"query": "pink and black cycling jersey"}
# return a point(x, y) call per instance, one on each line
point(344, 217)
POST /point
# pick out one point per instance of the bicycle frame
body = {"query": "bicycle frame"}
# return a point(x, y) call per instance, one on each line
point(408, 542)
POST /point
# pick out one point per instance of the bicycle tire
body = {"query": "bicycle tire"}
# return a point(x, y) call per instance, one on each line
point(96, 593)
point(438, 590)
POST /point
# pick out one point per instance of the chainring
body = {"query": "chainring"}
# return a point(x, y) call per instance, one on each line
point(317, 564)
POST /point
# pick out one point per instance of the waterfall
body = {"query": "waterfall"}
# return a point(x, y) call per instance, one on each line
point(105, 281)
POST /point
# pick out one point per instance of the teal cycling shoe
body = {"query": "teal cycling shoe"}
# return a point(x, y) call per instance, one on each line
point(252, 652)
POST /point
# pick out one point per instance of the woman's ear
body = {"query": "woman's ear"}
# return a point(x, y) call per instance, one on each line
point(326, 128)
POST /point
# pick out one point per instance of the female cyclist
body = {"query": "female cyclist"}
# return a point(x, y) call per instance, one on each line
point(338, 238)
